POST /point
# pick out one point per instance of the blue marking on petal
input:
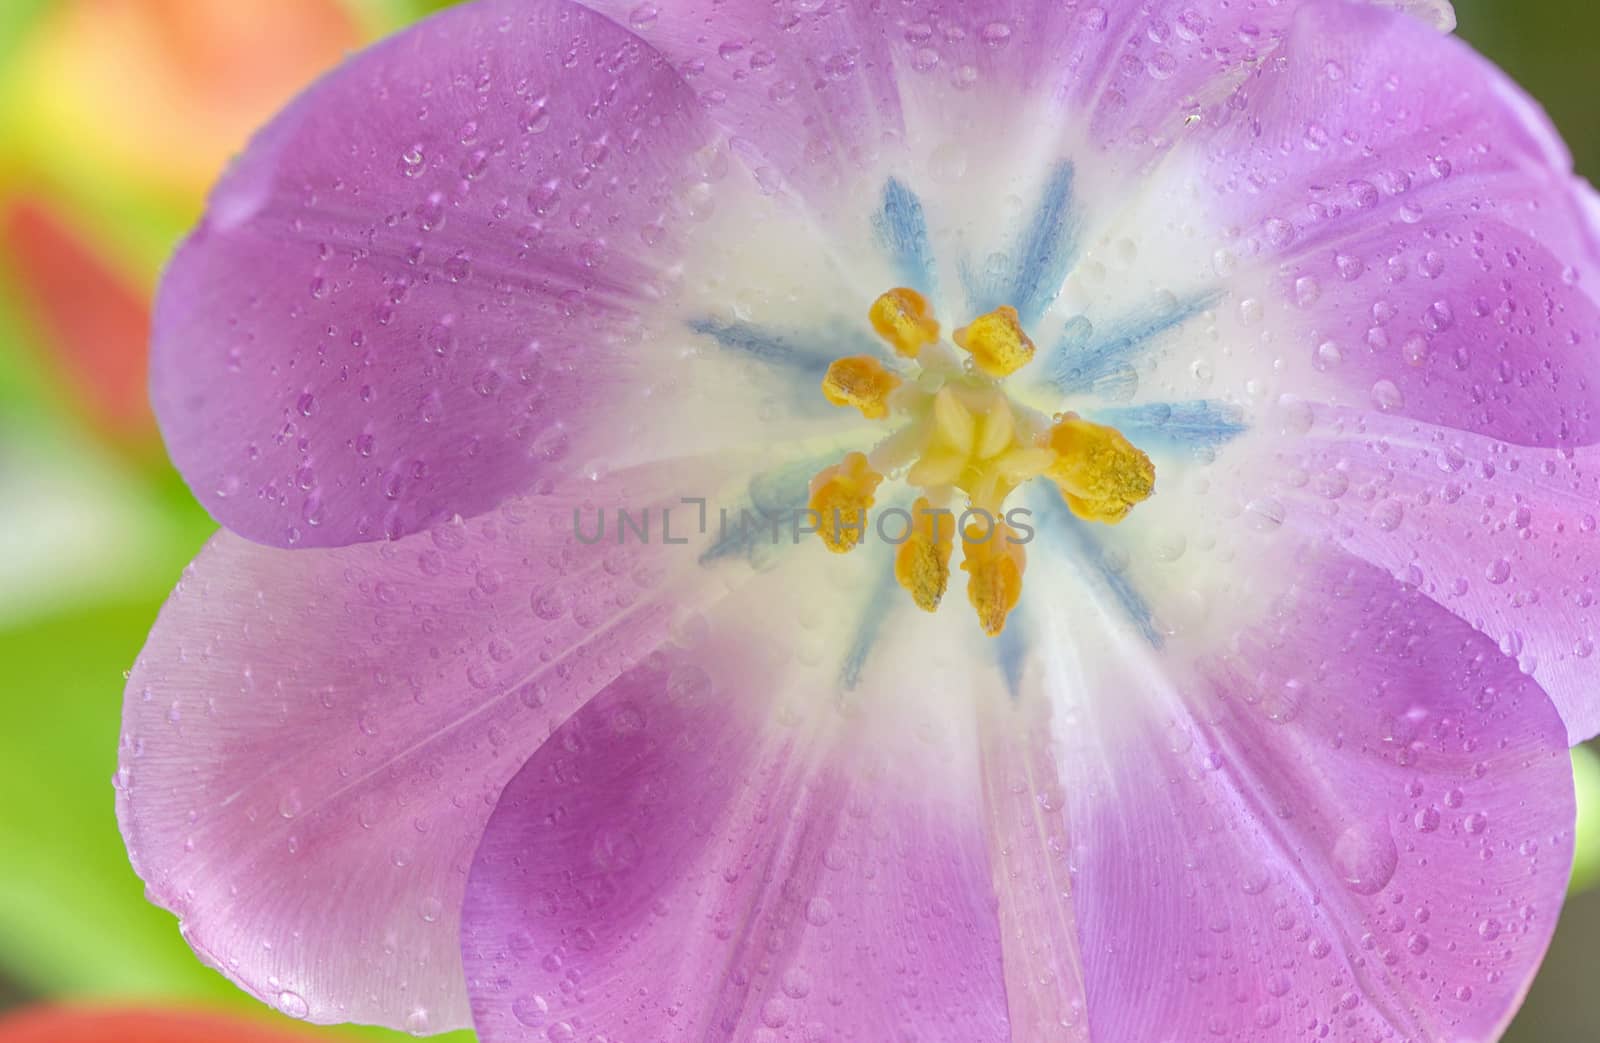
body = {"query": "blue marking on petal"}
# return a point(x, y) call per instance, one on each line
point(762, 527)
point(884, 600)
point(1090, 554)
point(1010, 650)
point(1045, 254)
point(1200, 424)
point(1081, 360)
point(763, 345)
point(902, 226)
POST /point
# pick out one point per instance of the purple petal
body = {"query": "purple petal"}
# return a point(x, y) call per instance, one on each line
point(1504, 537)
point(705, 853)
point(312, 741)
point(407, 298)
point(816, 94)
point(1440, 14)
point(1355, 824)
point(1417, 225)
point(805, 92)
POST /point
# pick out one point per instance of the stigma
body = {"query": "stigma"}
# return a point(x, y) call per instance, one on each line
point(965, 445)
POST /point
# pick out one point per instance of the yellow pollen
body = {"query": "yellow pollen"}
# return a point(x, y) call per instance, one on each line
point(902, 317)
point(860, 381)
point(994, 560)
point(962, 434)
point(840, 497)
point(1100, 473)
point(922, 564)
point(996, 342)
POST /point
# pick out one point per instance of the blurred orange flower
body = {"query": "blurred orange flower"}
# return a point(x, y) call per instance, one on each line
point(95, 317)
point(119, 115)
point(168, 90)
point(63, 1025)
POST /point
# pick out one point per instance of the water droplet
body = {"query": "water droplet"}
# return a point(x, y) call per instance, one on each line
point(1386, 396)
point(997, 34)
point(1366, 858)
point(1388, 515)
point(531, 1011)
point(412, 161)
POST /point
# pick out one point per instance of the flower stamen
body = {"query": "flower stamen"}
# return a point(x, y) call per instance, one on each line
point(1100, 473)
point(993, 561)
point(860, 381)
point(996, 342)
point(922, 565)
point(902, 317)
point(840, 498)
point(965, 433)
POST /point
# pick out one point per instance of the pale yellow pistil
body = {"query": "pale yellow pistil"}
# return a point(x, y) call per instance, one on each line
point(965, 435)
point(977, 447)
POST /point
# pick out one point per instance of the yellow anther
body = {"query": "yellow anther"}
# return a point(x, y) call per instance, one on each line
point(993, 561)
point(922, 564)
point(1100, 473)
point(963, 440)
point(860, 381)
point(840, 498)
point(996, 342)
point(902, 317)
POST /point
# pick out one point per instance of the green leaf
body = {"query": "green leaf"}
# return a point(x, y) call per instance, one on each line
point(1586, 845)
point(73, 918)
point(386, 16)
point(16, 18)
point(72, 915)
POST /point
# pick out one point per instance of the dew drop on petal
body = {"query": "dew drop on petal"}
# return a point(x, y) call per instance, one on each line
point(1366, 858)
point(532, 1010)
point(1387, 397)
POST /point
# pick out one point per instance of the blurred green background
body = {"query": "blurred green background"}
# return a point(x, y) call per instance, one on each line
point(115, 115)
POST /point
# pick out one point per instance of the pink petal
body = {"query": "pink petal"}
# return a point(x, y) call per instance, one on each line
point(312, 741)
point(804, 91)
point(712, 850)
point(408, 297)
point(816, 94)
point(1505, 537)
point(1417, 228)
point(1440, 14)
point(1355, 824)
